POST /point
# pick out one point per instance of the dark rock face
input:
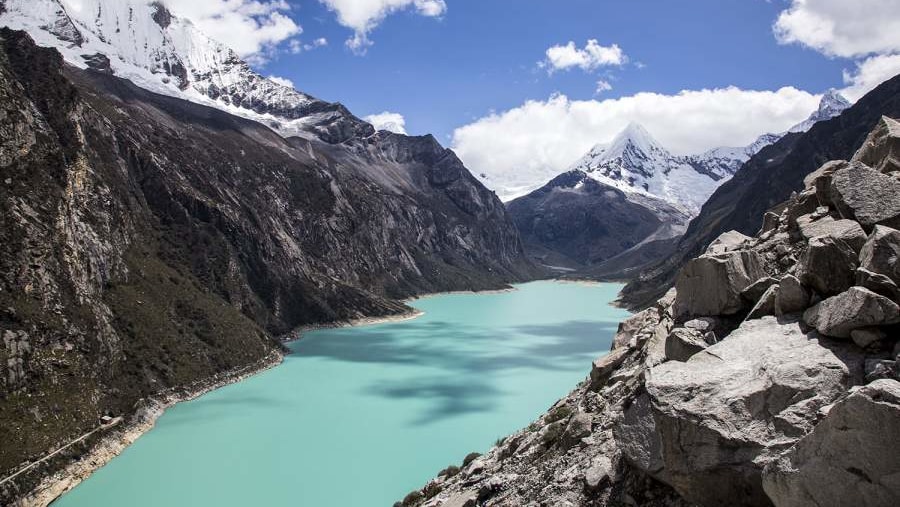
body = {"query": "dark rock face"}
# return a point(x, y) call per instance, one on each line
point(149, 242)
point(578, 223)
point(764, 182)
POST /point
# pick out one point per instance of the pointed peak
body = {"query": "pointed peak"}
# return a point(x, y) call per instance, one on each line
point(832, 100)
point(636, 135)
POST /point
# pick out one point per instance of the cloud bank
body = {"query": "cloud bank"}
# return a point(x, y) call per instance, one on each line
point(540, 139)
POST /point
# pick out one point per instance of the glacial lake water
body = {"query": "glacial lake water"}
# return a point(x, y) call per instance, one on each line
point(358, 417)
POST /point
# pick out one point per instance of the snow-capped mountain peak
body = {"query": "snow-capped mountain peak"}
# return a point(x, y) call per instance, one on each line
point(638, 164)
point(831, 105)
point(143, 42)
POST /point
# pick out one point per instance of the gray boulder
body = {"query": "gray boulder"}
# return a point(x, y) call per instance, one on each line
point(867, 196)
point(820, 180)
point(828, 266)
point(766, 304)
point(579, 426)
point(857, 308)
point(682, 343)
point(847, 230)
point(728, 242)
point(792, 297)
point(867, 336)
point(877, 283)
point(712, 284)
point(881, 151)
point(850, 458)
point(881, 252)
point(630, 327)
point(603, 367)
point(755, 290)
point(708, 426)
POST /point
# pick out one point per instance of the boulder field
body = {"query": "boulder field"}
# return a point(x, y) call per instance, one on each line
point(767, 376)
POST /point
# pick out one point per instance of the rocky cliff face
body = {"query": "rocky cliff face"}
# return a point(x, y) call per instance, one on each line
point(147, 242)
point(770, 375)
point(766, 181)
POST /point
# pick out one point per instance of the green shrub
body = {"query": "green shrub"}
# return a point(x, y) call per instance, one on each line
point(472, 456)
point(450, 471)
point(413, 499)
point(499, 441)
point(559, 413)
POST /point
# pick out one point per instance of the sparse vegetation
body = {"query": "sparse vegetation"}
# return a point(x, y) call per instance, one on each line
point(450, 471)
point(559, 413)
point(472, 456)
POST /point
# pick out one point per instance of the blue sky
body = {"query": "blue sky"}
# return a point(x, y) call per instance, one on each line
point(482, 55)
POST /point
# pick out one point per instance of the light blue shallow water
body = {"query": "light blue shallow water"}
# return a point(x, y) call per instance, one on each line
point(361, 416)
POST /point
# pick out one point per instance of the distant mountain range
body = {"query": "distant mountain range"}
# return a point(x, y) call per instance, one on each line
point(604, 228)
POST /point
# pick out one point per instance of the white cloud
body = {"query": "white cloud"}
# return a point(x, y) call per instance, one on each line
point(283, 81)
point(392, 122)
point(296, 46)
point(602, 87)
point(591, 57)
point(868, 74)
point(530, 144)
point(362, 16)
point(249, 27)
point(867, 30)
point(846, 28)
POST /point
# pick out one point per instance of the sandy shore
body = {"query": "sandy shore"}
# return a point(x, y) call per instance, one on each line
point(124, 434)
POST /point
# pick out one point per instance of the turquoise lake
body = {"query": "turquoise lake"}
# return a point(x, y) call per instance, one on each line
point(361, 416)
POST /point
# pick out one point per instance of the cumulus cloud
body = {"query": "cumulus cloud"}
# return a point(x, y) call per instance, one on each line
point(250, 27)
point(392, 122)
point(841, 27)
point(283, 81)
point(532, 143)
point(591, 57)
point(362, 16)
point(868, 74)
point(297, 46)
point(602, 87)
point(865, 30)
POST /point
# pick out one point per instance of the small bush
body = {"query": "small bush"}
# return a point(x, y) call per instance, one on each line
point(432, 490)
point(450, 471)
point(533, 427)
point(559, 413)
point(499, 441)
point(413, 499)
point(552, 433)
point(472, 456)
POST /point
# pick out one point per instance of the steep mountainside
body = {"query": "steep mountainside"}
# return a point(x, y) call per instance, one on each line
point(765, 181)
point(770, 375)
point(147, 243)
point(575, 222)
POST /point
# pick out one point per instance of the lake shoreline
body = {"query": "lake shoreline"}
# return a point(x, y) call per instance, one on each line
point(118, 438)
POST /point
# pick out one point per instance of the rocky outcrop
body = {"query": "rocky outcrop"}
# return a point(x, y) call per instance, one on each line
point(867, 196)
point(854, 309)
point(881, 150)
point(784, 393)
point(712, 283)
point(850, 458)
point(724, 414)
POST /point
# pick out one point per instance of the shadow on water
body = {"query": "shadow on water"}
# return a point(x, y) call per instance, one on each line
point(458, 351)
